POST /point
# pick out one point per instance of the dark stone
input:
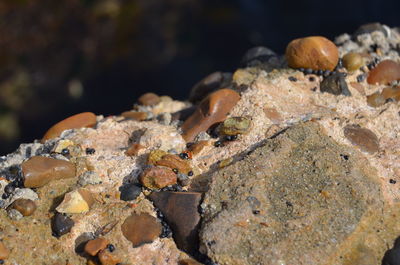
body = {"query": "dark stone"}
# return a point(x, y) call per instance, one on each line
point(335, 84)
point(61, 224)
point(183, 114)
point(180, 210)
point(129, 192)
point(261, 54)
point(392, 256)
point(369, 28)
point(81, 241)
point(209, 84)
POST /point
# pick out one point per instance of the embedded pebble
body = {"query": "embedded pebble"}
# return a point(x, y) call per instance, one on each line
point(40, 170)
point(61, 224)
point(25, 206)
point(214, 108)
point(89, 178)
point(155, 155)
point(353, 61)
point(85, 119)
point(376, 100)
point(363, 138)
point(197, 147)
point(129, 192)
point(149, 99)
point(135, 115)
point(385, 72)
point(141, 228)
point(335, 84)
point(316, 52)
point(189, 262)
point(107, 258)
point(209, 84)
point(157, 177)
point(77, 201)
point(134, 149)
point(92, 247)
point(180, 210)
point(235, 126)
point(14, 214)
point(175, 162)
point(4, 252)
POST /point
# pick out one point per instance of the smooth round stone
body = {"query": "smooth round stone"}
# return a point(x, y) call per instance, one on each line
point(94, 246)
point(61, 224)
point(157, 177)
point(149, 99)
point(141, 228)
point(316, 52)
point(235, 126)
point(353, 61)
point(25, 206)
point(81, 120)
point(40, 170)
point(385, 72)
point(363, 138)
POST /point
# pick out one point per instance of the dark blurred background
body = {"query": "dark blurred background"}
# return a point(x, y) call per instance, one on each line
point(59, 58)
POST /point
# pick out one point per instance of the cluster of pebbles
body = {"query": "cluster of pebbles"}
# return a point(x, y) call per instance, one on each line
point(130, 188)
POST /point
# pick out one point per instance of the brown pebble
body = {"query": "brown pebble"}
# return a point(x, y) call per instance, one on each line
point(92, 247)
point(134, 149)
point(174, 161)
point(40, 170)
point(4, 252)
point(316, 52)
point(81, 120)
point(135, 115)
point(108, 258)
point(149, 99)
point(363, 138)
point(188, 262)
point(375, 100)
point(353, 61)
point(235, 126)
point(157, 177)
point(25, 206)
point(391, 93)
point(180, 210)
point(214, 108)
point(196, 148)
point(141, 228)
point(384, 73)
point(273, 115)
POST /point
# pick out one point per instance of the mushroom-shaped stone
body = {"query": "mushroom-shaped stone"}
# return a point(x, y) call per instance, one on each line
point(141, 228)
point(40, 170)
point(77, 201)
point(81, 120)
point(316, 52)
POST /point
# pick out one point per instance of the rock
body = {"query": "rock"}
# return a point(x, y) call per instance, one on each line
point(89, 178)
point(376, 100)
point(107, 258)
point(93, 247)
point(335, 84)
point(317, 53)
point(260, 54)
point(189, 262)
point(155, 155)
point(77, 201)
point(291, 201)
point(208, 85)
point(392, 256)
point(385, 72)
point(353, 61)
point(197, 147)
point(61, 224)
point(140, 229)
point(180, 210)
point(175, 162)
point(25, 206)
point(134, 149)
point(363, 138)
point(39, 170)
point(149, 99)
point(130, 191)
point(157, 177)
point(84, 119)
point(235, 126)
point(214, 108)
point(135, 115)
point(4, 252)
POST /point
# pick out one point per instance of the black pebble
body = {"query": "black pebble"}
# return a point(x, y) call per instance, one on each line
point(292, 78)
point(184, 156)
point(90, 151)
point(335, 84)
point(308, 71)
point(231, 137)
point(65, 152)
point(129, 192)
point(218, 144)
point(9, 188)
point(61, 224)
point(392, 181)
point(111, 247)
point(311, 79)
point(360, 78)
point(392, 257)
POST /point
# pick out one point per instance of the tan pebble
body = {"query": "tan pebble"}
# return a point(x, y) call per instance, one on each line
point(141, 228)
point(235, 126)
point(149, 99)
point(135, 115)
point(81, 120)
point(4, 252)
point(108, 258)
point(273, 115)
point(39, 170)
point(225, 162)
point(214, 108)
point(375, 100)
point(134, 149)
point(25, 206)
point(188, 262)
point(363, 138)
point(196, 148)
point(391, 93)
point(175, 162)
point(92, 247)
point(316, 52)
point(353, 61)
point(384, 73)
point(77, 201)
point(157, 177)
point(62, 144)
point(155, 155)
